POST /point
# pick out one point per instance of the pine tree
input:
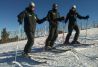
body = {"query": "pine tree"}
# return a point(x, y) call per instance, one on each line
point(4, 36)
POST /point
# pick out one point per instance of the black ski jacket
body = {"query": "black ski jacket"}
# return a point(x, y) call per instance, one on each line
point(72, 17)
point(51, 17)
point(30, 19)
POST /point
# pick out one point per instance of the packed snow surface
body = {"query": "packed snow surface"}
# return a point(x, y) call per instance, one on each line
point(78, 56)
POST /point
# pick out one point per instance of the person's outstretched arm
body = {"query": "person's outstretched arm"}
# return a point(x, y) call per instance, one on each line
point(21, 17)
point(82, 17)
point(39, 21)
point(67, 17)
point(60, 18)
point(47, 18)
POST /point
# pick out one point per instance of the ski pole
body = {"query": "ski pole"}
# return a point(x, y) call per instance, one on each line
point(45, 29)
point(64, 26)
point(86, 31)
point(19, 33)
point(15, 62)
point(63, 32)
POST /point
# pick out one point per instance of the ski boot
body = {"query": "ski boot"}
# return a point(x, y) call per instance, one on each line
point(48, 48)
point(75, 42)
point(66, 43)
point(25, 55)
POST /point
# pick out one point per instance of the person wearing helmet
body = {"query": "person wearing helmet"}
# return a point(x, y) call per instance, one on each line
point(30, 19)
point(72, 17)
point(53, 17)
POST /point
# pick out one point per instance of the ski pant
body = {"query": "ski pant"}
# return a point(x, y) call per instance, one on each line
point(30, 42)
point(53, 34)
point(70, 29)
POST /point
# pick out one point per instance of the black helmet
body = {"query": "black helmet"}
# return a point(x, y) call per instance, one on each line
point(54, 6)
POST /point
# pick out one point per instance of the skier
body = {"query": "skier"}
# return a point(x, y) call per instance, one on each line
point(72, 17)
point(53, 17)
point(30, 19)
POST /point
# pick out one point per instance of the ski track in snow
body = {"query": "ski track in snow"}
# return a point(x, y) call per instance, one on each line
point(80, 56)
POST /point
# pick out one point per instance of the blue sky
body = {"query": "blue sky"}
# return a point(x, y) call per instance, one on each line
point(9, 9)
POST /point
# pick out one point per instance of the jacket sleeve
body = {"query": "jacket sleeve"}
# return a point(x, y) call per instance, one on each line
point(39, 21)
point(21, 17)
point(59, 18)
point(47, 18)
point(80, 17)
point(67, 17)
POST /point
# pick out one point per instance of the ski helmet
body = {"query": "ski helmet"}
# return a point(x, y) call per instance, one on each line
point(74, 6)
point(32, 4)
point(55, 6)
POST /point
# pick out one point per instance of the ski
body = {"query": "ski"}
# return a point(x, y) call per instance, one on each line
point(73, 45)
point(32, 57)
point(83, 44)
point(38, 59)
point(59, 50)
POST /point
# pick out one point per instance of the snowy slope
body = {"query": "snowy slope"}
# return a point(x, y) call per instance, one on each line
point(80, 56)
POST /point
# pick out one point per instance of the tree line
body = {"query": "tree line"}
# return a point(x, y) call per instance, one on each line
point(6, 35)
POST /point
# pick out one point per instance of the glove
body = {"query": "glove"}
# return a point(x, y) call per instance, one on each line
point(87, 17)
point(62, 18)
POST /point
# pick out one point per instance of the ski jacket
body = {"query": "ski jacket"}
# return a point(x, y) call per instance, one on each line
point(72, 17)
point(30, 19)
point(51, 17)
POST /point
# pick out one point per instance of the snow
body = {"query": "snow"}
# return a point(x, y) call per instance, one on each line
point(80, 56)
